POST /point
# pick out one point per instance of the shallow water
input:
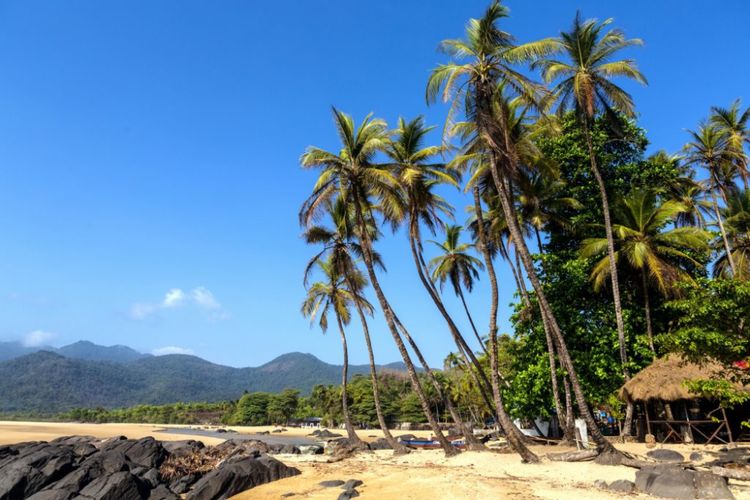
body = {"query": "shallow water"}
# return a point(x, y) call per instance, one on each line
point(266, 438)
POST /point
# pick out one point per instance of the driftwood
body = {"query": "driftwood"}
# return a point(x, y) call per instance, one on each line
point(574, 456)
point(742, 475)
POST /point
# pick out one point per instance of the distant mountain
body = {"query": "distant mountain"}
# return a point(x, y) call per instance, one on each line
point(90, 376)
point(82, 349)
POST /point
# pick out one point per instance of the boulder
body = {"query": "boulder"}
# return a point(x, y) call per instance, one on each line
point(34, 468)
point(621, 486)
point(696, 456)
point(676, 483)
point(380, 444)
point(352, 483)
point(118, 486)
point(331, 483)
point(346, 495)
point(666, 455)
point(345, 448)
point(233, 447)
point(52, 495)
point(182, 484)
point(239, 474)
point(161, 492)
point(181, 448)
point(709, 485)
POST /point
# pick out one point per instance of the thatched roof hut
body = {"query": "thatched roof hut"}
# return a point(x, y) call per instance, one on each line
point(664, 379)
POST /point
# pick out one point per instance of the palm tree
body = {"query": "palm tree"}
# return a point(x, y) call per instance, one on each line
point(352, 175)
point(454, 264)
point(341, 246)
point(419, 176)
point(585, 85)
point(474, 86)
point(328, 295)
point(737, 214)
point(645, 246)
point(709, 148)
point(734, 124)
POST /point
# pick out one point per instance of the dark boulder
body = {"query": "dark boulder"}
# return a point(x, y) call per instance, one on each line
point(352, 483)
point(52, 495)
point(380, 444)
point(346, 495)
point(239, 474)
point(34, 468)
point(621, 486)
point(118, 486)
point(181, 448)
point(326, 434)
point(233, 447)
point(161, 492)
point(666, 455)
point(331, 483)
point(182, 484)
point(709, 485)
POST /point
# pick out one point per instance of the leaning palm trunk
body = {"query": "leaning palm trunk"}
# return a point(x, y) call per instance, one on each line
point(344, 396)
point(398, 448)
point(612, 270)
point(466, 430)
point(390, 321)
point(458, 339)
point(471, 320)
point(647, 307)
point(507, 425)
point(724, 238)
point(489, 130)
point(561, 414)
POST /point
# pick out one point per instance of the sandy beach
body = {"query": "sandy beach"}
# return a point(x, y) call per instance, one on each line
point(421, 474)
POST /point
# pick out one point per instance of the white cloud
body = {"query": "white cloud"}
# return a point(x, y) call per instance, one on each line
point(171, 349)
point(37, 338)
point(173, 298)
point(204, 298)
point(200, 297)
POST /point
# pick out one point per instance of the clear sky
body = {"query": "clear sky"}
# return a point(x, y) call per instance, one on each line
point(149, 176)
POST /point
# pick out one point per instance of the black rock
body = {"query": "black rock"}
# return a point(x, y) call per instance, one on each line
point(118, 486)
point(346, 495)
point(33, 468)
point(239, 474)
point(696, 456)
point(161, 492)
point(182, 484)
point(151, 477)
point(326, 434)
point(181, 448)
point(622, 486)
point(312, 449)
point(331, 483)
point(709, 485)
point(380, 444)
point(666, 455)
point(289, 449)
point(52, 495)
point(351, 484)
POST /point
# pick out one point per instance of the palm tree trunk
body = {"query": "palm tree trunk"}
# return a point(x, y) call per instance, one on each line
point(610, 251)
point(390, 321)
point(569, 432)
point(605, 447)
point(612, 269)
point(510, 429)
point(461, 344)
point(727, 248)
point(344, 376)
point(471, 320)
point(647, 306)
point(398, 448)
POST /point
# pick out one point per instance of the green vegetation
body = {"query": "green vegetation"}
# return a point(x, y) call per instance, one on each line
point(610, 250)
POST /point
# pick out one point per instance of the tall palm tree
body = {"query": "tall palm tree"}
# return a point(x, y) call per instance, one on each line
point(341, 246)
point(419, 175)
point(332, 295)
point(473, 88)
point(584, 84)
point(737, 214)
point(736, 125)
point(456, 265)
point(709, 149)
point(352, 175)
point(645, 245)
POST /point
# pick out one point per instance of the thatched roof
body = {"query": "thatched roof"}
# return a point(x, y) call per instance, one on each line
point(664, 379)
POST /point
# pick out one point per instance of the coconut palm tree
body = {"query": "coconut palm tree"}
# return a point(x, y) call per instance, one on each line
point(341, 246)
point(737, 215)
point(456, 265)
point(710, 149)
point(419, 175)
point(488, 54)
point(735, 124)
point(584, 84)
point(352, 175)
point(645, 245)
point(332, 295)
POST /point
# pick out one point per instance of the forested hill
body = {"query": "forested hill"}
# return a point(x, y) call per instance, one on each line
point(48, 382)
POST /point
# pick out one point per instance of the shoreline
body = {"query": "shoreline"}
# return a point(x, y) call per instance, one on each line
point(418, 475)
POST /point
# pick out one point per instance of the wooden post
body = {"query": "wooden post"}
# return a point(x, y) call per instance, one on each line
point(648, 421)
point(726, 422)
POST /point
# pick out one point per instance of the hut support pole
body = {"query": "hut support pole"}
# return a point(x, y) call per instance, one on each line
point(726, 422)
point(648, 421)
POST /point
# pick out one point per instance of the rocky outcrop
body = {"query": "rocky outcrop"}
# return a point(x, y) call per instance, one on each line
point(85, 468)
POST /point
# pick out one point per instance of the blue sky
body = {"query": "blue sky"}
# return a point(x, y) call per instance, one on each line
point(149, 176)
